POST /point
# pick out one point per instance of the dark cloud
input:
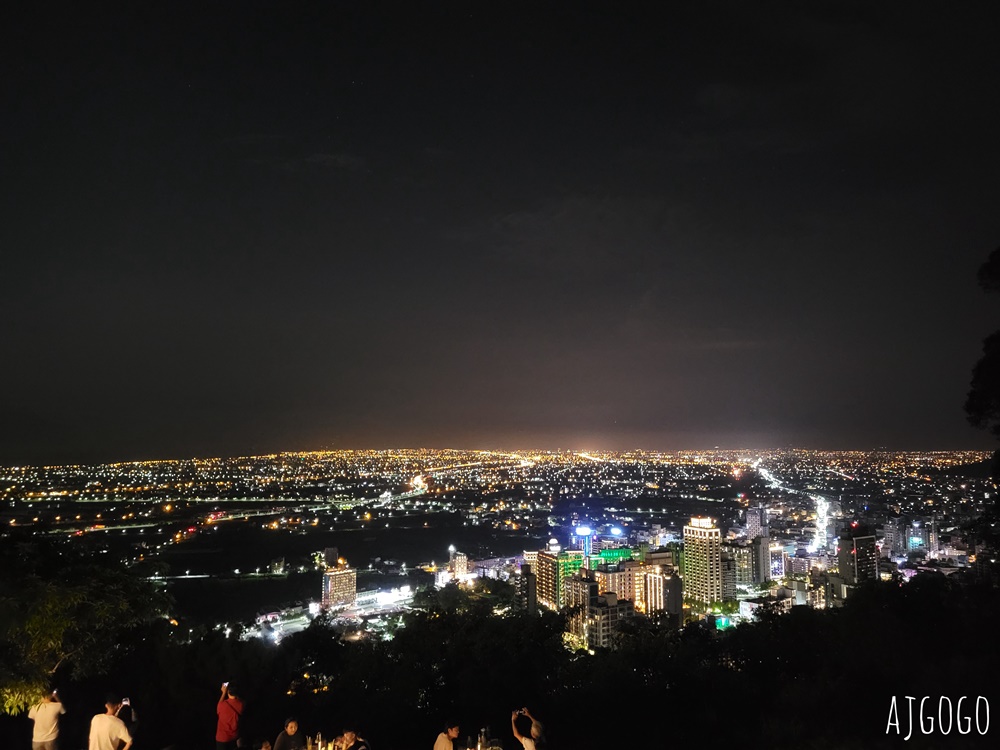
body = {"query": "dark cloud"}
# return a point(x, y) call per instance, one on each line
point(347, 162)
point(244, 231)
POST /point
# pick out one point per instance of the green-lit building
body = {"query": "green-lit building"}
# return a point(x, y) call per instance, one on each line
point(610, 557)
point(551, 570)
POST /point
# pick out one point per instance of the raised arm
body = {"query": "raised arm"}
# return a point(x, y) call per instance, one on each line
point(513, 726)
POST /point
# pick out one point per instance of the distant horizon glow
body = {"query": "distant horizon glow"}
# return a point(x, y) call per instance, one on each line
point(750, 454)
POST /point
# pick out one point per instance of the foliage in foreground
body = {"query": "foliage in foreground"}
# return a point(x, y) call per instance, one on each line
point(62, 616)
point(818, 679)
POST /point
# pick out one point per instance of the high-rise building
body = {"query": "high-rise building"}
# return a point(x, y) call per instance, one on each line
point(818, 585)
point(340, 587)
point(922, 534)
point(857, 557)
point(580, 591)
point(777, 561)
point(761, 547)
point(593, 617)
point(585, 539)
point(610, 558)
point(664, 593)
point(728, 565)
point(703, 560)
point(635, 583)
point(606, 614)
point(742, 555)
point(893, 543)
point(528, 589)
point(756, 522)
point(552, 569)
point(933, 537)
point(609, 579)
point(800, 565)
point(625, 580)
point(611, 542)
point(531, 558)
point(661, 556)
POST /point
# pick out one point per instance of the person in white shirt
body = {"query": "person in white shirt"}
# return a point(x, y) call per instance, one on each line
point(46, 715)
point(446, 740)
point(107, 731)
point(128, 715)
point(537, 739)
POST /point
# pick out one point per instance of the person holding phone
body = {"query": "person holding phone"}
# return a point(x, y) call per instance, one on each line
point(45, 714)
point(535, 739)
point(229, 709)
point(107, 731)
point(128, 715)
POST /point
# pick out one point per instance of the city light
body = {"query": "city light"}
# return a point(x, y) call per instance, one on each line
point(633, 502)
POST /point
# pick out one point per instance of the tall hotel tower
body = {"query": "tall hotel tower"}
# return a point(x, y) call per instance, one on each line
point(703, 561)
point(340, 586)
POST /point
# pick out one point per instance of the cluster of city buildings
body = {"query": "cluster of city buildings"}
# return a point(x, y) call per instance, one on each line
point(602, 579)
point(340, 582)
point(667, 535)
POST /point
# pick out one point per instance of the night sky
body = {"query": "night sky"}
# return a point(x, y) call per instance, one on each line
point(248, 228)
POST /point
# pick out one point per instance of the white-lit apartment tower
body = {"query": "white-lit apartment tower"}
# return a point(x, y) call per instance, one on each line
point(627, 582)
point(777, 561)
point(703, 561)
point(635, 582)
point(756, 519)
point(664, 592)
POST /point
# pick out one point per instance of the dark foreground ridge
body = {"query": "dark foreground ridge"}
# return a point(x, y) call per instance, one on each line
point(807, 679)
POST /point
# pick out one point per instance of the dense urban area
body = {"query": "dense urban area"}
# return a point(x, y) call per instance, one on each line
point(689, 534)
point(356, 544)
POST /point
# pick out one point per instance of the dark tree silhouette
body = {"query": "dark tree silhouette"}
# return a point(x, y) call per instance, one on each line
point(63, 616)
point(989, 273)
point(983, 403)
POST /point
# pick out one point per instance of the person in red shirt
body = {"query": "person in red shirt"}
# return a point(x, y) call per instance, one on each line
point(229, 709)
